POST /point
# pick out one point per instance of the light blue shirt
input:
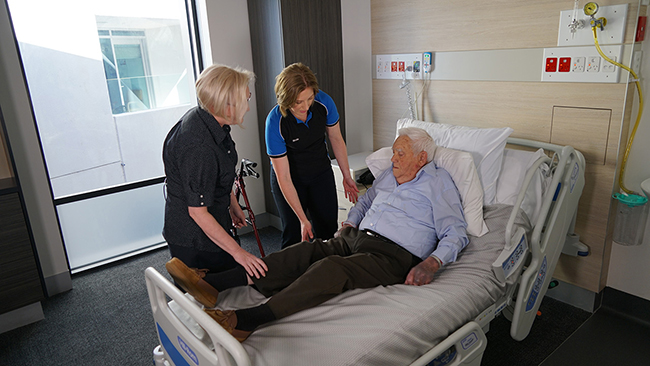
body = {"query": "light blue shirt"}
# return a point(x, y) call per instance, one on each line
point(424, 215)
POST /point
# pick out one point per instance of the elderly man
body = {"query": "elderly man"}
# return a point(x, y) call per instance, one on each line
point(408, 225)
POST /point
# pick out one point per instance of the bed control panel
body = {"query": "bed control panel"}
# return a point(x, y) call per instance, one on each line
point(511, 259)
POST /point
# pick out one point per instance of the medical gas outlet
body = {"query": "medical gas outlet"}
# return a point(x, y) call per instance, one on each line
point(575, 25)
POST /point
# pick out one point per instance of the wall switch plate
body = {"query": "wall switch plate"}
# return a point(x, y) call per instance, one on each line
point(613, 32)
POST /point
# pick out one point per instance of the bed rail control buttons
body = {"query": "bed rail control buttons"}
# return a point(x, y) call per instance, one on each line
point(510, 260)
point(541, 276)
point(469, 341)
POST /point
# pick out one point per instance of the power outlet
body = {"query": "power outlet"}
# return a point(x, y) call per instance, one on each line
point(585, 64)
point(398, 66)
point(578, 64)
point(593, 64)
point(608, 66)
point(636, 62)
point(564, 65)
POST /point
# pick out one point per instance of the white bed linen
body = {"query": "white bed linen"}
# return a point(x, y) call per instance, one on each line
point(390, 325)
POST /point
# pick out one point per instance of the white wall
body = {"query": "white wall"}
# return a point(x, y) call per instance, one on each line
point(230, 43)
point(628, 268)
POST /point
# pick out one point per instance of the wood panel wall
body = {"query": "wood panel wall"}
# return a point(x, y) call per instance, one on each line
point(5, 167)
point(589, 116)
point(288, 31)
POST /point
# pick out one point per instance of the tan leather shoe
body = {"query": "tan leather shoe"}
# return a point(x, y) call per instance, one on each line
point(191, 280)
point(228, 320)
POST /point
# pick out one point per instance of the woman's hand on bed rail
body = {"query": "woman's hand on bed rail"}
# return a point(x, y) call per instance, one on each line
point(422, 274)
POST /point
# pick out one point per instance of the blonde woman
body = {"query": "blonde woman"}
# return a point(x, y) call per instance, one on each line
point(302, 179)
point(200, 158)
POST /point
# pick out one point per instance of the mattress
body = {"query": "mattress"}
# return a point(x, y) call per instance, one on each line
point(391, 325)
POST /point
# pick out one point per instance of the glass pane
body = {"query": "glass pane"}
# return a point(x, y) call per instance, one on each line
point(131, 70)
point(128, 33)
point(88, 69)
point(107, 79)
point(89, 226)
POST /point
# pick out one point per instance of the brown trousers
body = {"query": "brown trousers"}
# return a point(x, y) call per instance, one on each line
point(309, 273)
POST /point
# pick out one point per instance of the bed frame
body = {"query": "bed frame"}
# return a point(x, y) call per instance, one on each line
point(526, 265)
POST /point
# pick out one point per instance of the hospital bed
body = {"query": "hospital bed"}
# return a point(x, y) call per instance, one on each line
point(502, 272)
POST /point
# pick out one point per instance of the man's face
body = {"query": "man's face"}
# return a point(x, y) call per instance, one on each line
point(406, 164)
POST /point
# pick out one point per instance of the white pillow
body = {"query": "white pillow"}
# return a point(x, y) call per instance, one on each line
point(485, 144)
point(513, 172)
point(460, 166)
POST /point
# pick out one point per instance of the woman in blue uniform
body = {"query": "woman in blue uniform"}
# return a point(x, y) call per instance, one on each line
point(200, 158)
point(302, 179)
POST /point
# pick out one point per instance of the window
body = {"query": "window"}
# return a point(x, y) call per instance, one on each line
point(107, 81)
point(141, 63)
point(125, 69)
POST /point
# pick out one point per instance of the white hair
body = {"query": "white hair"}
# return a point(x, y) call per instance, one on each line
point(420, 141)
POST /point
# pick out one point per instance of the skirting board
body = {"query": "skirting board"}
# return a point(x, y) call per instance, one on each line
point(21, 317)
point(575, 296)
point(58, 283)
point(628, 305)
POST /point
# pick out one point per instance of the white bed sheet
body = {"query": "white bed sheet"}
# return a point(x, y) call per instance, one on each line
point(390, 325)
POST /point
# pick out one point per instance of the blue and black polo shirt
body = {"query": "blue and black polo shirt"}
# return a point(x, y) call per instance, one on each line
point(303, 143)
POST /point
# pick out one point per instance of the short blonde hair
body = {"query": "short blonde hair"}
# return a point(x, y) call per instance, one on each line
point(420, 141)
point(221, 86)
point(292, 81)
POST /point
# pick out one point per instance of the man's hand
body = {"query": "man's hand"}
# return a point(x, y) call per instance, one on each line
point(422, 274)
point(343, 226)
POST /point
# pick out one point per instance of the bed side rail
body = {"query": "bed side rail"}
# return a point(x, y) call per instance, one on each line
point(179, 344)
point(549, 232)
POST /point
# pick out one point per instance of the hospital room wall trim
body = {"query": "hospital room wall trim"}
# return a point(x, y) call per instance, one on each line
point(494, 65)
point(469, 41)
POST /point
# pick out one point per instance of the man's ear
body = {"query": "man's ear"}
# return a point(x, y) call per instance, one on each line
point(422, 158)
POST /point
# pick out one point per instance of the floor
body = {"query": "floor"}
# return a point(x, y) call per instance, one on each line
point(618, 333)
